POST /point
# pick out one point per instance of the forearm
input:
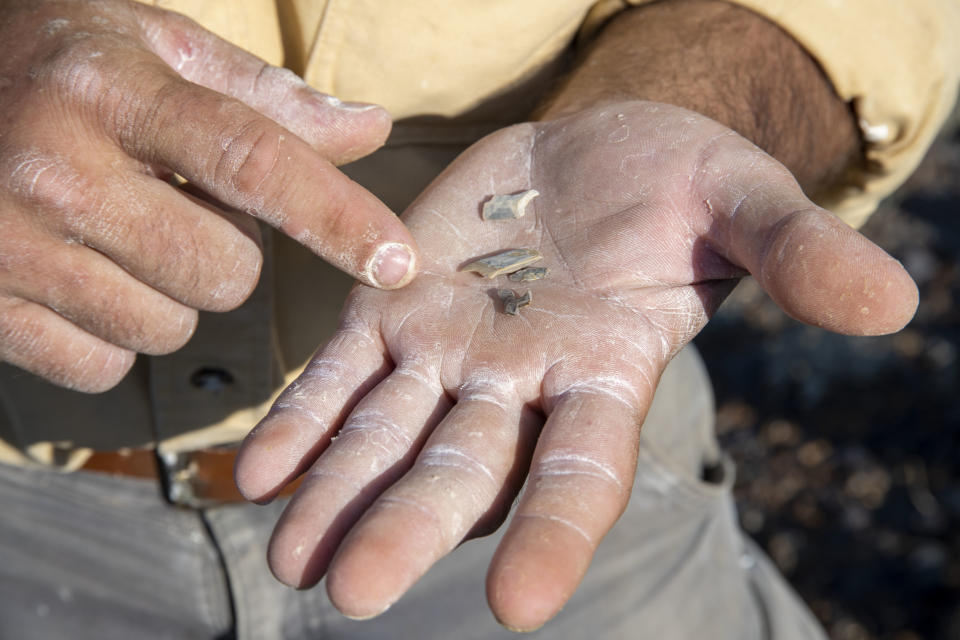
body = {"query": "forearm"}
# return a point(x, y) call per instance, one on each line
point(726, 63)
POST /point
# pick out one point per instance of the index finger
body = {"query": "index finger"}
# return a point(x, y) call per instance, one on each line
point(250, 162)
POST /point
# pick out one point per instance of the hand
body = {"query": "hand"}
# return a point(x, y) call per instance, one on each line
point(100, 256)
point(418, 422)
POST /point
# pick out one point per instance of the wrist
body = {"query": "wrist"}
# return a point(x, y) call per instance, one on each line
point(729, 64)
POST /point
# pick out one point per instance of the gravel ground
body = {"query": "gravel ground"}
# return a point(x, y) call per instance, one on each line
point(848, 448)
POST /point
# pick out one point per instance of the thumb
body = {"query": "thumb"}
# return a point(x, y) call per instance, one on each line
point(340, 131)
point(815, 267)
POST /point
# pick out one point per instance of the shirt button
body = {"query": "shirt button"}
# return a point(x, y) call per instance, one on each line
point(213, 379)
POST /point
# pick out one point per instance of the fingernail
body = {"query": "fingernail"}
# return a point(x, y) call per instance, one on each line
point(391, 266)
point(366, 616)
point(337, 103)
point(358, 106)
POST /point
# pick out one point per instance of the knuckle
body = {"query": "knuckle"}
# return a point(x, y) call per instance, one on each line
point(173, 36)
point(93, 71)
point(49, 182)
point(150, 112)
point(75, 206)
point(74, 65)
point(269, 74)
point(780, 239)
point(247, 164)
point(102, 74)
point(142, 107)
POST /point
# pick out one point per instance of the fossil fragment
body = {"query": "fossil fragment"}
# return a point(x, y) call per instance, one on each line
point(511, 303)
point(508, 207)
point(528, 274)
point(503, 262)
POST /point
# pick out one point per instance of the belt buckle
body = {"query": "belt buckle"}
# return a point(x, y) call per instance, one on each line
point(204, 478)
point(177, 471)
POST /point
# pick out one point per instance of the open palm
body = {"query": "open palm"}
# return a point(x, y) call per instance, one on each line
point(420, 420)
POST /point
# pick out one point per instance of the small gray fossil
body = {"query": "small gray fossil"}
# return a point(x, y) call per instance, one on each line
point(528, 274)
point(508, 207)
point(511, 303)
point(503, 262)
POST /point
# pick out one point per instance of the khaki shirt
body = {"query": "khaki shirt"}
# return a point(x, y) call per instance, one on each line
point(449, 72)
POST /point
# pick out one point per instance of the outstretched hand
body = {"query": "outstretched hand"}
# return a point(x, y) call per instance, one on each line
point(419, 421)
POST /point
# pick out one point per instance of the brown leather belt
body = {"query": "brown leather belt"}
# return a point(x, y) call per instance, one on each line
point(199, 478)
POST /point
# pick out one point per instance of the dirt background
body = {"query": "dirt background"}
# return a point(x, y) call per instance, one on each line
point(848, 448)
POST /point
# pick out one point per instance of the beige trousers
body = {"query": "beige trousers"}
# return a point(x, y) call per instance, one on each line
point(89, 556)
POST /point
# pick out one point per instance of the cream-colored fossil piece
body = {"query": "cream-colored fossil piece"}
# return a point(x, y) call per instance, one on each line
point(529, 274)
point(508, 207)
point(511, 303)
point(503, 262)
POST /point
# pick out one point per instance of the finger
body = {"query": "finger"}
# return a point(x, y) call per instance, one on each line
point(96, 295)
point(374, 448)
point(187, 247)
point(340, 131)
point(38, 340)
point(251, 163)
point(578, 485)
point(475, 455)
point(235, 153)
point(178, 244)
point(815, 267)
point(309, 412)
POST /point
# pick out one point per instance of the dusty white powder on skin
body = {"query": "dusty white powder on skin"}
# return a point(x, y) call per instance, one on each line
point(561, 463)
point(567, 523)
point(445, 455)
point(54, 26)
